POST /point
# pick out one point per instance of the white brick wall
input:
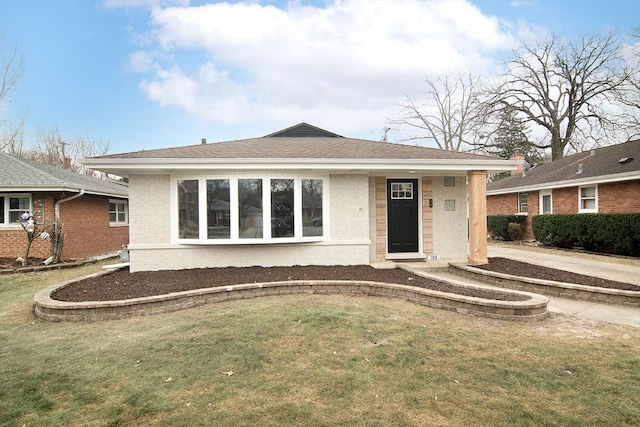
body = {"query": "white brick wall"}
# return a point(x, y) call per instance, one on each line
point(450, 227)
point(149, 209)
point(151, 247)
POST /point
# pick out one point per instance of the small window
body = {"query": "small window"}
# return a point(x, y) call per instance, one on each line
point(118, 214)
point(449, 181)
point(12, 206)
point(188, 210)
point(523, 203)
point(545, 204)
point(450, 205)
point(588, 199)
point(401, 190)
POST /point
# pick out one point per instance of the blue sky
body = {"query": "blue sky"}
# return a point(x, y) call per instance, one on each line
point(144, 74)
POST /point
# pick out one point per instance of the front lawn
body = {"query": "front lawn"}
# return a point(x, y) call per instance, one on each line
point(310, 360)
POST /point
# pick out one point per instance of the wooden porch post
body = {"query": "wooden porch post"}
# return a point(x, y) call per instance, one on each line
point(477, 217)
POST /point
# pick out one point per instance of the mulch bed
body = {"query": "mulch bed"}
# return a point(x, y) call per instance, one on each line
point(122, 284)
point(523, 269)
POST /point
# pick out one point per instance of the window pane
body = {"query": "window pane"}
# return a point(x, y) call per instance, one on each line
point(112, 207)
point(121, 217)
point(312, 207)
point(523, 202)
point(282, 208)
point(188, 215)
point(546, 204)
point(19, 203)
point(112, 217)
point(588, 204)
point(1, 210)
point(250, 208)
point(218, 209)
point(588, 192)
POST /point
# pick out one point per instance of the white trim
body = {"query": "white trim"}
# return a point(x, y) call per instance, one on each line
point(405, 255)
point(580, 209)
point(234, 213)
point(122, 166)
point(542, 194)
point(117, 223)
point(6, 225)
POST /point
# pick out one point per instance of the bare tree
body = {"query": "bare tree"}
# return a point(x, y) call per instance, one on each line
point(448, 114)
point(12, 69)
point(567, 88)
point(54, 150)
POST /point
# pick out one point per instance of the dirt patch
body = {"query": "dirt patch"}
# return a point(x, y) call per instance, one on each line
point(7, 263)
point(122, 284)
point(523, 269)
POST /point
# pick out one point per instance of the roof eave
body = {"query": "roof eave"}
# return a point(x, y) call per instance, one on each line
point(120, 166)
point(56, 189)
point(602, 179)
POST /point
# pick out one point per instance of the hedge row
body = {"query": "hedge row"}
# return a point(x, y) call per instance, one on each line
point(609, 233)
point(498, 225)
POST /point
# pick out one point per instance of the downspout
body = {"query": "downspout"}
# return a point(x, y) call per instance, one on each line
point(56, 252)
point(59, 202)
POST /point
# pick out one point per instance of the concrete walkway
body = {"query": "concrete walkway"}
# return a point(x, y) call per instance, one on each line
point(620, 269)
point(606, 267)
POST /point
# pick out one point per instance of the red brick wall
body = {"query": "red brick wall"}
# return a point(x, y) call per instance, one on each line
point(619, 197)
point(86, 227)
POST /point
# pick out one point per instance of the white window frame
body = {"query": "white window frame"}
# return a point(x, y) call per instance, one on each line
point(543, 194)
point(580, 199)
point(234, 210)
point(521, 212)
point(118, 223)
point(5, 207)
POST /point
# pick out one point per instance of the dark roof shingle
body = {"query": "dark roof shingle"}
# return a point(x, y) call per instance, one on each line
point(16, 173)
point(595, 164)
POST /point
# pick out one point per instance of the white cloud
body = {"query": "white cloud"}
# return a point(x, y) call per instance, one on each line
point(347, 61)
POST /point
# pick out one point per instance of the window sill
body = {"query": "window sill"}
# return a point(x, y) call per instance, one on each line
point(238, 242)
point(118, 224)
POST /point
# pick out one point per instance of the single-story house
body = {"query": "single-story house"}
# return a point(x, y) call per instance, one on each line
point(302, 196)
point(603, 180)
point(93, 212)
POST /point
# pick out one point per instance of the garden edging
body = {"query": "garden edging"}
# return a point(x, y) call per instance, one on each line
point(47, 308)
point(548, 287)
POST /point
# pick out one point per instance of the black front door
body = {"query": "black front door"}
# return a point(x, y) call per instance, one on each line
point(402, 215)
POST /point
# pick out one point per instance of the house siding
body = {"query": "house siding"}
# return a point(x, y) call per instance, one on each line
point(85, 225)
point(152, 247)
point(450, 228)
point(617, 197)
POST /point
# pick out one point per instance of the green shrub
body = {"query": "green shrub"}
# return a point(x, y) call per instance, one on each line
point(515, 231)
point(610, 233)
point(498, 225)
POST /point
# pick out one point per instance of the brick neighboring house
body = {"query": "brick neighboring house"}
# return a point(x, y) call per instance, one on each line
point(604, 180)
point(94, 213)
point(302, 196)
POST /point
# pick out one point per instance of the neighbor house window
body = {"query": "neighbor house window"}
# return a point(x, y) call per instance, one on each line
point(12, 206)
point(250, 209)
point(546, 206)
point(523, 203)
point(588, 199)
point(118, 212)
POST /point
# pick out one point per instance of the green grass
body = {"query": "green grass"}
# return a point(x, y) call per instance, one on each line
point(310, 360)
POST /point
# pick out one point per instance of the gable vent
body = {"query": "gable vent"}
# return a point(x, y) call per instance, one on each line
point(625, 160)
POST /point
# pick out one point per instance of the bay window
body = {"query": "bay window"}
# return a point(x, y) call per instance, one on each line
point(249, 210)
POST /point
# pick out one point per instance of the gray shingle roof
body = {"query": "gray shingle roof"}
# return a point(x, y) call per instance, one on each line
point(601, 163)
point(18, 174)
